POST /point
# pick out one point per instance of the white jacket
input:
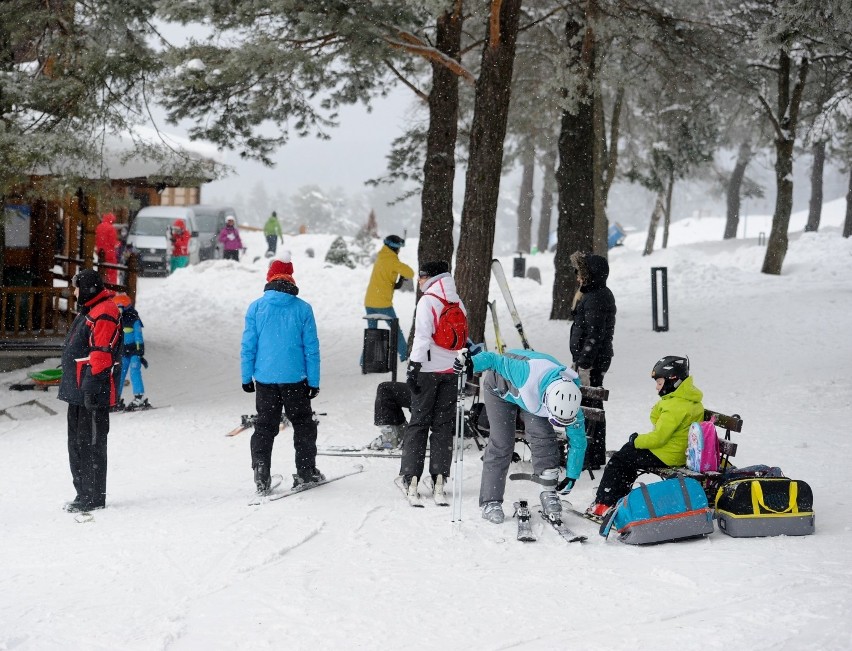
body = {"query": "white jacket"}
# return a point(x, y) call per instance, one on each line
point(433, 358)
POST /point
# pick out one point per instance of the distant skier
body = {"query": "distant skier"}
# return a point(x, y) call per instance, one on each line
point(133, 358)
point(272, 231)
point(665, 445)
point(592, 330)
point(548, 395)
point(106, 244)
point(432, 382)
point(229, 238)
point(388, 274)
point(179, 237)
point(90, 368)
point(280, 359)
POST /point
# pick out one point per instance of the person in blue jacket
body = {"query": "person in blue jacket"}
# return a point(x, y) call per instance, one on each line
point(280, 360)
point(547, 393)
point(133, 357)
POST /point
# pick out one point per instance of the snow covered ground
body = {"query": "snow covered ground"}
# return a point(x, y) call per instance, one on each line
point(179, 561)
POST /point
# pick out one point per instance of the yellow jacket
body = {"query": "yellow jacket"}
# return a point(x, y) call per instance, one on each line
point(380, 289)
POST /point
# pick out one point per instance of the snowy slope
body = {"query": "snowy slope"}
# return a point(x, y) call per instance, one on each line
point(179, 561)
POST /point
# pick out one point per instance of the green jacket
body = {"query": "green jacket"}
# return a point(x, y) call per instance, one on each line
point(671, 417)
point(272, 227)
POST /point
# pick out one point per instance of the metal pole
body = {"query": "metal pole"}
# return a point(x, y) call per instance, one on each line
point(458, 452)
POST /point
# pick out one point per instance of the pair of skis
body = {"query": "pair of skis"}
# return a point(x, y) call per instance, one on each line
point(502, 283)
point(525, 531)
point(271, 495)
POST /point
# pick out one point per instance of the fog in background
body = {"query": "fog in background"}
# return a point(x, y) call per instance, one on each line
point(321, 183)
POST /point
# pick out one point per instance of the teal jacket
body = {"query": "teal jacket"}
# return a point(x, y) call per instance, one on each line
point(527, 375)
point(671, 418)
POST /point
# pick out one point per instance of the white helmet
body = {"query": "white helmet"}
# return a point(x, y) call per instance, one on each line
point(562, 401)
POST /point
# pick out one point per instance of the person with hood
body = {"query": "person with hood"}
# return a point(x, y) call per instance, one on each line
point(665, 445)
point(432, 382)
point(106, 244)
point(179, 237)
point(133, 358)
point(91, 363)
point(272, 231)
point(229, 238)
point(388, 274)
point(592, 330)
point(547, 393)
point(280, 361)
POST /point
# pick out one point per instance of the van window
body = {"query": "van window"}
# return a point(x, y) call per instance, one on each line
point(151, 225)
point(207, 222)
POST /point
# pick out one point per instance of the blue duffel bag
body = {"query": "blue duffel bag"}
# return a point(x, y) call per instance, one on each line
point(672, 509)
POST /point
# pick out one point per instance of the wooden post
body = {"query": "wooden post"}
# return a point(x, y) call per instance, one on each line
point(132, 269)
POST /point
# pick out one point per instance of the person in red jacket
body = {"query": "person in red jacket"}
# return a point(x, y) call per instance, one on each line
point(180, 245)
point(91, 365)
point(106, 244)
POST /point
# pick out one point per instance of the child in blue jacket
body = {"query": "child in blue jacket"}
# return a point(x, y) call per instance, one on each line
point(134, 355)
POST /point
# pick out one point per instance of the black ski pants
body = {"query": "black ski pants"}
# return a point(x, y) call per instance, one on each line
point(595, 431)
point(432, 408)
point(391, 399)
point(622, 470)
point(292, 399)
point(87, 453)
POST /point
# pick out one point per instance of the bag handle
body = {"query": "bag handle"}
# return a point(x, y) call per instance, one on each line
point(647, 497)
point(686, 500)
point(757, 499)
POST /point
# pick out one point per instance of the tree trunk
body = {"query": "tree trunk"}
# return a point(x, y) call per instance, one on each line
point(659, 208)
point(439, 168)
point(667, 222)
point(575, 180)
point(815, 211)
point(599, 244)
point(847, 225)
point(525, 200)
point(482, 180)
point(785, 138)
point(735, 184)
point(546, 200)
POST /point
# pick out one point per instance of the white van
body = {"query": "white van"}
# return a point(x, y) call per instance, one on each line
point(149, 236)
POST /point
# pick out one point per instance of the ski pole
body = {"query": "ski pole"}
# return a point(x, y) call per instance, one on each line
point(458, 460)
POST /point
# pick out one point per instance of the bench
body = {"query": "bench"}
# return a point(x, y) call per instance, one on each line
point(710, 481)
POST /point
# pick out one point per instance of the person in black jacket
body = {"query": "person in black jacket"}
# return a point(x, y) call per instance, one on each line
point(591, 341)
point(91, 364)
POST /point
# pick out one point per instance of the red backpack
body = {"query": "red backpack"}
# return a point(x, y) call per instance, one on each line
point(451, 329)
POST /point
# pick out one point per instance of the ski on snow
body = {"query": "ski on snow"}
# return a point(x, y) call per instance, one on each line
point(500, 277)
point(261, 499)
point(247, 421)
point(562, 529)
point(522, 512)
point(356, 451)
point(413, 500)
point(581, 514)
point(274, 482)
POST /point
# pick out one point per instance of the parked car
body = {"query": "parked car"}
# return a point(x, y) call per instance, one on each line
point(210, 221)
point(149, 236)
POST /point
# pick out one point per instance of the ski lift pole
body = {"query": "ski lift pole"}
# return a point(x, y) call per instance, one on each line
point(458, 452)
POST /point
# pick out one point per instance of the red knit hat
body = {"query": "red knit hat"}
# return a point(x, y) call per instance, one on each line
point(279, 268)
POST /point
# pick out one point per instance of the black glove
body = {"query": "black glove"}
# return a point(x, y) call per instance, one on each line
point(412, 376)
point(144, 362)
point(398, 283)
point(462, 362)
point(632, 439)
point(313, 392)
point(248, 387)
point(140, 350)
point(90, 401)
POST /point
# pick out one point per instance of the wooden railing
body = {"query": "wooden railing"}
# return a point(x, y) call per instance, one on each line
point(35, 312)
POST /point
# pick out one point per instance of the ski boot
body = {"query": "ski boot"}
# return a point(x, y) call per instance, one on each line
point(118, 406)
point(312, 477)
point(493, 512)
point(261, 478)
point(551, 507)
point(391, 437)
point(138, 403)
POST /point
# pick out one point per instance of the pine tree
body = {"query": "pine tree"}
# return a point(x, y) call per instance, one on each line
point(338, 253)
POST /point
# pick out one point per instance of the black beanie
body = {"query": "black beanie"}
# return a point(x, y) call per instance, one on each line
point(431, 269)
point(90, 284)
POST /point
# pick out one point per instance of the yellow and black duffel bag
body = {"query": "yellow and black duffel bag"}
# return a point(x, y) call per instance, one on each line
point(777, 506)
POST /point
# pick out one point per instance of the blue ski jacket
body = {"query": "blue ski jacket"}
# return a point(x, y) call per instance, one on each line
point(527, 375)
point(280, 343)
